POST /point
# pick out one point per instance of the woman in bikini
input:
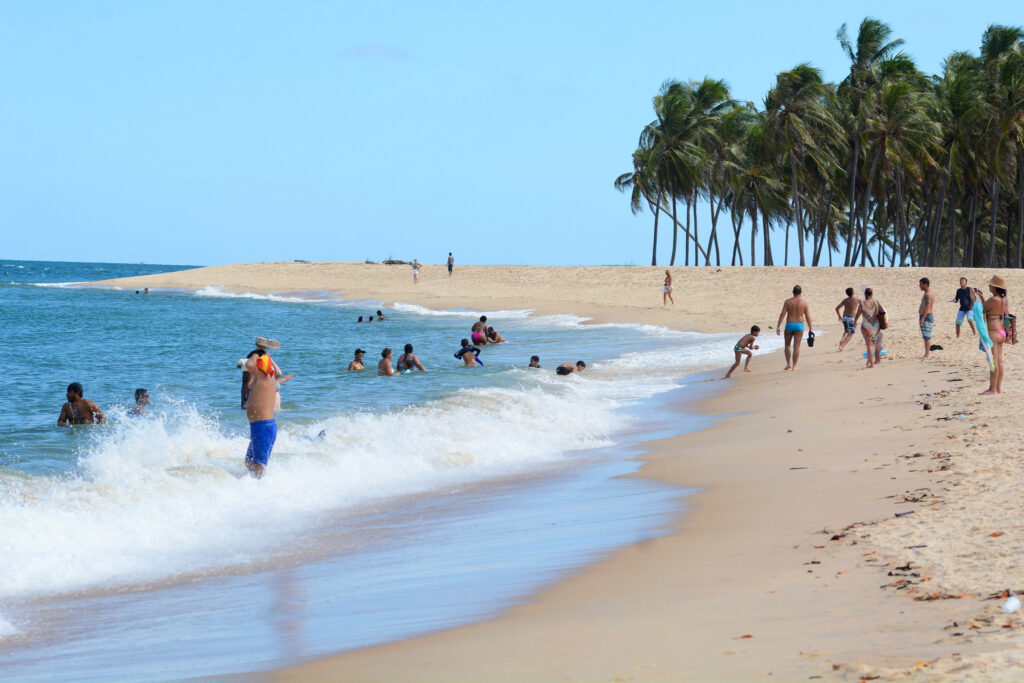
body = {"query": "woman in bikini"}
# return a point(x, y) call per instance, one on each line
point(870, 327)
point(666, 295)
point(995, 309)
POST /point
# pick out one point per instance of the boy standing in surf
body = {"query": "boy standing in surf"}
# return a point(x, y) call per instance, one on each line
point(260, 411)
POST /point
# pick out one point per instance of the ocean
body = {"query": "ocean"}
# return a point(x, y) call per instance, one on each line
point(391, 506)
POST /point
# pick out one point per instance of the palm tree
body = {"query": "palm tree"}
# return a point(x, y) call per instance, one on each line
point(799, 124)
point(642, 188)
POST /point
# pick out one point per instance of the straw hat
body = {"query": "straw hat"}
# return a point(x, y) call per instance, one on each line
point(998, 281)
point(273, 344)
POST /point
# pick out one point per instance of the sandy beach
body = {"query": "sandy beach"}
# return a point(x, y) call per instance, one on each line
point(791, 562)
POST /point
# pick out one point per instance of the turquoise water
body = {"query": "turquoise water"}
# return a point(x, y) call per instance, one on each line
point(476, 461)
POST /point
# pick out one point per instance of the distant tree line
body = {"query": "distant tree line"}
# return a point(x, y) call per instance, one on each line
point(889, 167)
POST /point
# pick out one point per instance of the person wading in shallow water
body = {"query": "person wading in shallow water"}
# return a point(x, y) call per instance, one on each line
point(79, 411)
point(260, 411)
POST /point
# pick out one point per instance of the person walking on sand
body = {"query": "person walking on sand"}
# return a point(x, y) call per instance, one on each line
point(849, 305)
point(743, 348)
point(78, 410)
point(996, 308)
point(384, 367)
point(964, 298)
point(666, 295)
point(259, 408)
point(415, 272)
point(925, 317)
point(870, 327)
point(451, 263)
point(795, 311)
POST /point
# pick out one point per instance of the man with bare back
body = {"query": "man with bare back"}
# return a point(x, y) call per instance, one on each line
point(850, 306)
point(924, 314)
point(795, 311)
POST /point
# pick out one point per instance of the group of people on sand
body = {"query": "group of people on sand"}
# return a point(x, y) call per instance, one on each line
point(795, 315)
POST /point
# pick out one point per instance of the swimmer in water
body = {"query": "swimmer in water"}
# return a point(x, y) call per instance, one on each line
point(141, 401)
point(409, 360)
point(569, 368)
point(357, 362)
point(468, 354)
point(479, 331)
point(384, 367)
point(380, 316)
point(534, 362)
point(78, 410)
point(494, 337)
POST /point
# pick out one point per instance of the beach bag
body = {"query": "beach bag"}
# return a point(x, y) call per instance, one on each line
point(883, 322)
point(1010, 324)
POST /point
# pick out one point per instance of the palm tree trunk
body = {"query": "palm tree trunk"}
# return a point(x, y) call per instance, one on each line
point(753, 235)
point(654, 251)
point(736, 251)
point(864, 215)
point(994, 194)
point(715, 213)
point(972, 219)
point(785, 255)
point(686, 254)
point(1020, 204)
point(767, 259)
point(852, 196)
point(796, 211)
point(675, 232)
point(952, 228)
point(696, 236)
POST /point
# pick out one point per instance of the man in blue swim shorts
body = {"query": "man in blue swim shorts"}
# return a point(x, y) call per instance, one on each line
point(795, 312)
point(260, 411)
point(924, 314)
point(849, 307)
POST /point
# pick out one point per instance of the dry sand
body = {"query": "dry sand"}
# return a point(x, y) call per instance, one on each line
point(794, 540)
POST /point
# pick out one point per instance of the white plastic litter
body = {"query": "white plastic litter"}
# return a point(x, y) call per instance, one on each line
point(1011, 605)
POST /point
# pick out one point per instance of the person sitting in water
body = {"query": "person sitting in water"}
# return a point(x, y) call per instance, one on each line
point(357, 362)
point(380, 316)
point(494, 337)
point(534, 362)
point(569, 368)
point(468, 354)
point(78, 410)
point(409, 360)
point(360, 319)
point(141, 401)
point(384, 367)
point(370, 319)
point(479, 331)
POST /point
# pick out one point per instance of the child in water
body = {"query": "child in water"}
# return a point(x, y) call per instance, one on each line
point(743, 347)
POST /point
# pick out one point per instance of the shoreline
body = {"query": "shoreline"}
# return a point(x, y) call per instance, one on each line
point(748, 556)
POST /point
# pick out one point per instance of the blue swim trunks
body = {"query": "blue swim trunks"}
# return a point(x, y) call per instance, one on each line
point(794, 327)
point(926, 327)
point(262, 435)
point(848, 325)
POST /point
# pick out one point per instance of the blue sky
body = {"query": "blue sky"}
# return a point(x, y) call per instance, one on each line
point(204, 133)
